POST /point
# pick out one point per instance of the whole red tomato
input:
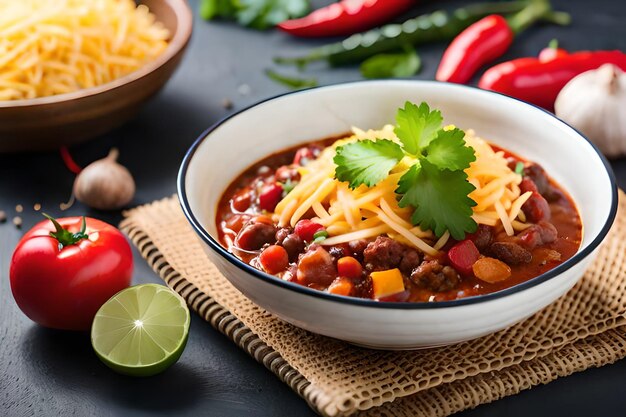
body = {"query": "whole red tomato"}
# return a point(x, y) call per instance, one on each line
point(63, 270)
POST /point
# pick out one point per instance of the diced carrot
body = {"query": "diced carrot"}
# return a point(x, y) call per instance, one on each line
point(341, 286)
point(274, 259)
point(491, 270)
point(387, 282)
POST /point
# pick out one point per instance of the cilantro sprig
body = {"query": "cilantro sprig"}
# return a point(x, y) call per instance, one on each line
point(435, 185)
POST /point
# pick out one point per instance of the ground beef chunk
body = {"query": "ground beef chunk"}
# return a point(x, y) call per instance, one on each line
point(254, 235)
point(482, 237)
point(510, 253)
point(316, 267)
point(294, 245)
point(410, 260)
point(385, 253)
point(434, 276)
point(357, 247)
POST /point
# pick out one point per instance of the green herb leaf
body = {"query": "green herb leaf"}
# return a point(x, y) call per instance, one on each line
point(288, 186)
point(440, 199)
point(366, 162)
point(257, 14)
point(448, 150)
point(294, 83)
point(402, 64)
point(264, 14)
point(519, 168)
point(417, 126)
point(210, 9)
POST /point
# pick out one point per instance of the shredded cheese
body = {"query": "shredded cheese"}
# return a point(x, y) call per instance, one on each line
point(54, 47)
point(367, 212)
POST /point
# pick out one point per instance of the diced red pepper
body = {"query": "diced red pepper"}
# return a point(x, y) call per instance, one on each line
point(270, 196)
point(349, 267)
point(463, 255)
point(306, 229)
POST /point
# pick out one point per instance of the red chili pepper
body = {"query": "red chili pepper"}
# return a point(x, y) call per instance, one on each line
point(345, 18)
point(480, 43)
point(552, 51)
point(69, 162)
point(488, 39)
point(538, 82)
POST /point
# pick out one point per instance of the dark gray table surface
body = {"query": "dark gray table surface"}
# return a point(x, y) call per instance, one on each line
point(45, 372)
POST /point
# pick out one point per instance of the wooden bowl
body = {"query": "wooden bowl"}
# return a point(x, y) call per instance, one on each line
point(48, 122)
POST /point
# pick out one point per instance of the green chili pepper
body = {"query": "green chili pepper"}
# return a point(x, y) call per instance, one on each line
point(434, 27)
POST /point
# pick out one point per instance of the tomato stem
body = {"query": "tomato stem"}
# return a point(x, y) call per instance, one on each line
point(64, 236)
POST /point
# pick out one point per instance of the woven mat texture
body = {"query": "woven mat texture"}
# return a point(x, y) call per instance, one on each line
point(582, 329)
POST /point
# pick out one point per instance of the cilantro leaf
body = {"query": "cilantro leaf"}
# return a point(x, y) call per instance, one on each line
point(448, 150)
point(440, 199)
point(366, 162)
point(402, 64)
point(417, 126)
point(264, 14)
point(217, 8)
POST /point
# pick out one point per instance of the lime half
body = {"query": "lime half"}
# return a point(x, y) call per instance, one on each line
point(141, 330)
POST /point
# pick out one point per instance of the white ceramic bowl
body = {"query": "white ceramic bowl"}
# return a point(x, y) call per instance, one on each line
point(235, 143)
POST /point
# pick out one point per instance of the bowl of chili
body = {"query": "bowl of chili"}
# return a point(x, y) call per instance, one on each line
point(269, 135)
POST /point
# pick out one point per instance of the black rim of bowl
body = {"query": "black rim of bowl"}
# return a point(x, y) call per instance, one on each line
point(220, 250)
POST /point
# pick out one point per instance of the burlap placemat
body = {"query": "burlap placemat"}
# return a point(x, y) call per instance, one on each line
point(580, 330)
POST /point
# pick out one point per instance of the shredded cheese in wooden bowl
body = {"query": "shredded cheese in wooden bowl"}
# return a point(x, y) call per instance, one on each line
point(50, 47)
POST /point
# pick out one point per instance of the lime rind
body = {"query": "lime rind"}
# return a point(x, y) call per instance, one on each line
point(141, 330)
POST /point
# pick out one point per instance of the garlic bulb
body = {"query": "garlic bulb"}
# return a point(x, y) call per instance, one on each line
point(594, 102)
point(105, 184)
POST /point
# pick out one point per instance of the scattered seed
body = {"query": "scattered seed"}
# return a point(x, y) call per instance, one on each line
point(70, 203)
point(17, 221)
point(37, 207)
point(19, 208)
point(244, 89)
point(3, 216)
point(227, 104)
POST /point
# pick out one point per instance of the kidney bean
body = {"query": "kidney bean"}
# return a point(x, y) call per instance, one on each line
point(536, 208)
point(294, 245)
point(511, 253)
point(316, 267)
point(254, 235)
